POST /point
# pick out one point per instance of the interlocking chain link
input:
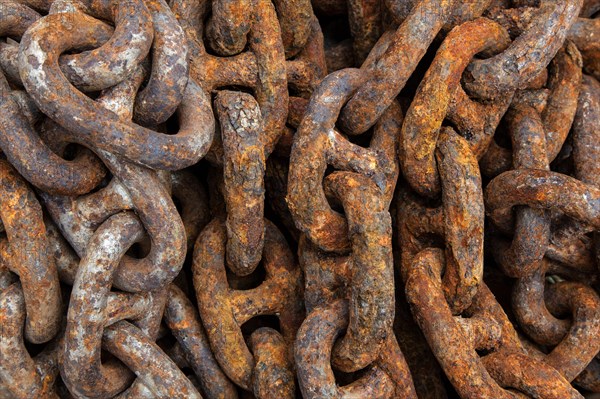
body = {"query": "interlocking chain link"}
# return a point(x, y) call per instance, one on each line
point(318, 199)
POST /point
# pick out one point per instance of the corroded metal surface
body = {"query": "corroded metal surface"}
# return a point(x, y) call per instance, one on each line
point(318, 199)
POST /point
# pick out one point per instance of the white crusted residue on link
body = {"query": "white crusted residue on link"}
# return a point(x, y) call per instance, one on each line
point(35, 72)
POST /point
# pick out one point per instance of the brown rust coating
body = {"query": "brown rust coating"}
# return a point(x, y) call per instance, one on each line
point(582, 342)
point(459, 221)
point(449, 343)
point(339, 56)
point(190, 195)
point(532, 226)
point(462, 199)
point(7, 278)
point(419, 226)
point(384, 143)
point(425, 371)
point(371, 267)
point(486, 306)
point(531, 312)
point(273, 376)
point(296, 22)
point(35, 161)
point(182, 319)
point(462, 11)
point(589, 378)
point(427, 110)
point(531, 52)
point(541, 189)
point(330, 277)
point(228, 27)
point(152, 366)
point(584, 33)
point(538, 81)
point(120, 55)
point(49, 88)
point(308, 162)
point(19, 373)
point(387, 74)
point(89, 211)
point(15, 18)
point(271, 90)
point(564, 82)
point(570, 246)
point(85, 168)
point(10, 51)
point(244, 169)
point(27, 106)
point(213, 72)
point(51, 173)
point(482, 332)
point(466, 11)
point(586, 133)
point(514, 19)
point(262, 68)
point(137, 390)
point(284, 145)
point(26, 252)
point(167, 253)
point(589, 8)
point(306, 70)
point(122, 305)
point(67, 261)
point(476, 121)
point(317, 144)
point(399, 10)
point(224, 310)
point(327, 275)
point(161, 221)
point(312, 353)
point(364, 17)
point(176, 351)
point(81, 367)
point(39, 5)
point(392, 362)
point(276, 180)
point(530, 376)
point(169, 76)
point(144, 192)
point(148, 325)
point(301, 77)
point(191, 16)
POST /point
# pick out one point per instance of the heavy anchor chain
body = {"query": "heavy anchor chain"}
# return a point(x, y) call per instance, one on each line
point(299, 199)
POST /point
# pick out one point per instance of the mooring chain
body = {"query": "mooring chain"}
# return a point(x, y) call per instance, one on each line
point(96, 273)
point(424, 268)
point(72, 109)
point(363, 186)
point(224, 309)
point(318, 199)
point(250, 126)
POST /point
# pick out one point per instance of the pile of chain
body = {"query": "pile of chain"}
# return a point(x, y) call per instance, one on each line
point(279, 199)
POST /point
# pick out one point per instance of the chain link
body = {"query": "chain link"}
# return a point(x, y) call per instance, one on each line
point(318, 199)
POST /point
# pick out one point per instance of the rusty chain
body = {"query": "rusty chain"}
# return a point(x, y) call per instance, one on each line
point(318, 199)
